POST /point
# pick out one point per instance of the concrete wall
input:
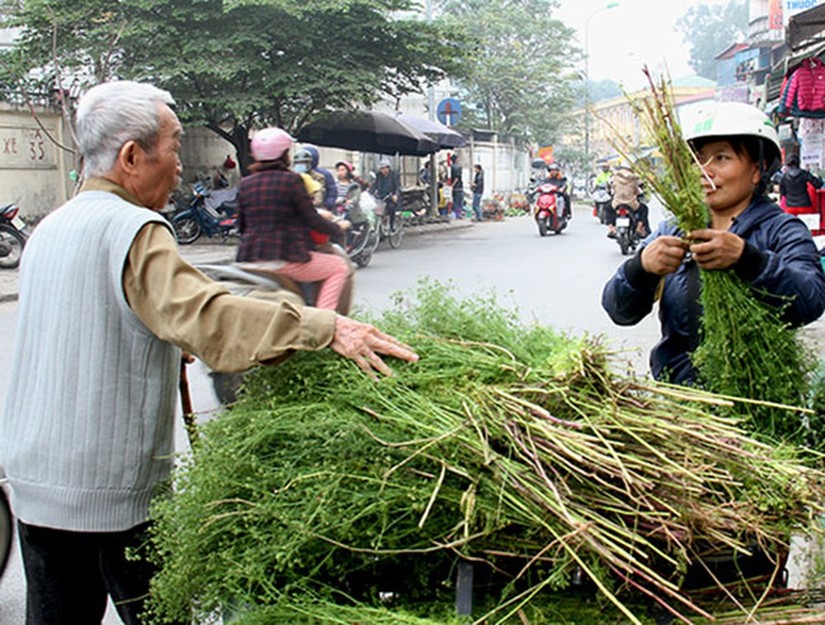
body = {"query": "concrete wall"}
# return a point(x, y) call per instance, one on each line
point(34, 171)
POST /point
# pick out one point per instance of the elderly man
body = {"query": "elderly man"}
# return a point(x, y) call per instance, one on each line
point(106, 305)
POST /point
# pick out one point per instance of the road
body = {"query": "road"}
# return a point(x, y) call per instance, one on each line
point(556, 280)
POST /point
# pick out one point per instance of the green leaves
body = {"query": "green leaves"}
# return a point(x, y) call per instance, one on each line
point(519, 73)
point(234, 64)
point(325, 497)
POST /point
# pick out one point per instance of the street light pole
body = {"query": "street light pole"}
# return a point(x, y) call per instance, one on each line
point(610, 5)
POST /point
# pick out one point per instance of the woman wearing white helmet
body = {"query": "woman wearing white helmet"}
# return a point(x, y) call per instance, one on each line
point(276, 216)
point(769, 249)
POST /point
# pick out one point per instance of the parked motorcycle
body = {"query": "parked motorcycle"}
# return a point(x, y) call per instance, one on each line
point(627, 235)
point(549, 212)
point(12, 236)
point(601, 201)
point(210, 213)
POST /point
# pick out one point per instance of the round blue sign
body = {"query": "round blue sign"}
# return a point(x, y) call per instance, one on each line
point(448, 111)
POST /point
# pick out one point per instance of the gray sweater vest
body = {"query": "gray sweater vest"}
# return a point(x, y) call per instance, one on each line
point(86, 436)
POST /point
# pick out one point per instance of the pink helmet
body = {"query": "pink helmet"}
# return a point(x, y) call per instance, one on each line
point(269, 144)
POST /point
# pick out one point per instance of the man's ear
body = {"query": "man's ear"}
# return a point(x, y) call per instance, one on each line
point(129, 156)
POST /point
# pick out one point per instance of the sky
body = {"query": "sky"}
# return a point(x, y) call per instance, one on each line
point(621, 40)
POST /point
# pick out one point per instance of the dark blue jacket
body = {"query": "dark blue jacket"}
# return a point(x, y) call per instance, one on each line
point(330, 187)
point(779, 259)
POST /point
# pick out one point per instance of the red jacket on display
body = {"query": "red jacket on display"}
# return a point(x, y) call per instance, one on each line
point(803, 95)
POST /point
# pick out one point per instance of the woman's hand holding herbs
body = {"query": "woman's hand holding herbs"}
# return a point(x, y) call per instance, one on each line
point(663, 255)
point(715, 249)
point(363, 342)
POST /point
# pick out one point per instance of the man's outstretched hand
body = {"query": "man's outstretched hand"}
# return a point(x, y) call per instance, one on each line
point(363, 342)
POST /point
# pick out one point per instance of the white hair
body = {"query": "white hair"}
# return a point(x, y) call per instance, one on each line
point(110, 114)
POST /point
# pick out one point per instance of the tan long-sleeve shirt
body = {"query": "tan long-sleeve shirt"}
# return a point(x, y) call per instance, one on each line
point(181, 305)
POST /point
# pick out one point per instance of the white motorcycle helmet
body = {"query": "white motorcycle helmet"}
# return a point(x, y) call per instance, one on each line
point(718, 120)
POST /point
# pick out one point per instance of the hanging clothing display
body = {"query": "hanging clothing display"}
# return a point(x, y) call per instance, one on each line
point(803, 93)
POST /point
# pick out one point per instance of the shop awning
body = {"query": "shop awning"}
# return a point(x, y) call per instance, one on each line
point(806, 28)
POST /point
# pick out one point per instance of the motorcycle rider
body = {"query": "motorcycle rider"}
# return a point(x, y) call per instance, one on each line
point(626, 192)
point(602, 184)
point(603, 177)
point(330, 189)
point(556, 177)
point(303, 165)
point(276, 217)
point(387, 187)
point(348, 193)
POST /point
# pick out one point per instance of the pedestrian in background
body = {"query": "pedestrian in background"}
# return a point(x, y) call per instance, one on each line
point(106, 304)
point(458, 187)
point(478, 190)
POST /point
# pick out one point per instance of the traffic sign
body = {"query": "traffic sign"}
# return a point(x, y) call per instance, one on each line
point(448, 111)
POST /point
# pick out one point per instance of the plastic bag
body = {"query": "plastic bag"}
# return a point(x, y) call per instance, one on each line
point(370, 206)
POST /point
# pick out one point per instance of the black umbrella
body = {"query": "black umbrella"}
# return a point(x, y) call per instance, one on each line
point(445, 136)
point(367, 131)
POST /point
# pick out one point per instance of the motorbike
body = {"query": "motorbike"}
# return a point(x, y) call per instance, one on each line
point(627, 235)
point(362, 241)
point(601, 200)
point(363, 236)
point(549, 212)
point(12, 236)
point(209, 213)
point(244, 281)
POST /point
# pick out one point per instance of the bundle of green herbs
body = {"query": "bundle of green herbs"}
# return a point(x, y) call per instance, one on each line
point(746, 349)
point(325, 497)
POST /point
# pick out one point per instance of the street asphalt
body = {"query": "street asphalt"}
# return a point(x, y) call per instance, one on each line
point(206, 251)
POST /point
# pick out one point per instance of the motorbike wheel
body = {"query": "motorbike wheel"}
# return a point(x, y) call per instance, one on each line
point(624, 245)
point(542, 227)
point(226, 386)
point(6, 529)
point(363, 259)
point(12, 243)
point(396, 234)
point(187, 230)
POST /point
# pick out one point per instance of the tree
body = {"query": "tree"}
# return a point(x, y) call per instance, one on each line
point(235, 65)
point(709, 29)
point(519, 76)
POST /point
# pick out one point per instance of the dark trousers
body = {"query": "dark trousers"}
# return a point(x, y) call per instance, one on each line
point(458, 202)
point(69, 575)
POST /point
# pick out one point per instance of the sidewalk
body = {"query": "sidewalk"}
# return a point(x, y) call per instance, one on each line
point(207, 251)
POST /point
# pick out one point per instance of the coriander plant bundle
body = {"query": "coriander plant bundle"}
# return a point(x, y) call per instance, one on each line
point(335, 499)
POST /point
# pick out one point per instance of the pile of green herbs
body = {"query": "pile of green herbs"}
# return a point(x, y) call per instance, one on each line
point(325, 497)
point(746, 348)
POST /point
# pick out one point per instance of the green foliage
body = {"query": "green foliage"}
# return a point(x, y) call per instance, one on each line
point(518, 74)
point(748, 351)
point(710, 28)
point(331, 498)
point(233, 65)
